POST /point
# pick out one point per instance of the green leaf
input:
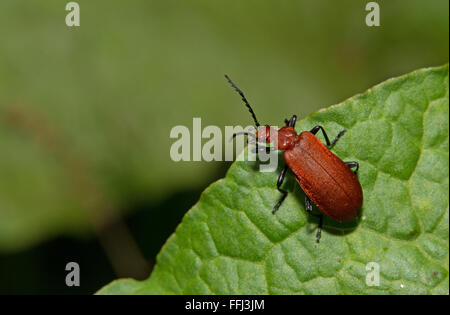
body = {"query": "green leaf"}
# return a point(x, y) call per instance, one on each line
point(230, 243)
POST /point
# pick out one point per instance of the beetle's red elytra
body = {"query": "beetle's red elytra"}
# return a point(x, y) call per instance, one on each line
point(327, 181)
point(324, 177)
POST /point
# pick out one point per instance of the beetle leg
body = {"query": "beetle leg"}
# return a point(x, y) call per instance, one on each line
point(353, 164)
point(284, 192)
point(309, 209)
point(260, 149)
point(327, 140)
point(316, 129)
point(319, 229)
point(292, 121)
point(340, 134)
point(308, 205)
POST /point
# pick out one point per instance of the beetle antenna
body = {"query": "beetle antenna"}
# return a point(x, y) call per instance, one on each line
point(245, 100)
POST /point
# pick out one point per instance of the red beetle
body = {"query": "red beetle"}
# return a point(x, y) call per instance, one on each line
point(326, 179)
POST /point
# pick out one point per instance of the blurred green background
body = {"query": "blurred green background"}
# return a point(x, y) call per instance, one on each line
point(86, 112)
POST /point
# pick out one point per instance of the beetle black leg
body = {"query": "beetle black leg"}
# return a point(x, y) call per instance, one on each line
point(284, 192)
point(319, 229)
point(353, 164)
point(340, 134)
point(309, 209)
point(327, 140)
point(316, 129)
point(308, 205)
point(292, 121)
point(261, 149)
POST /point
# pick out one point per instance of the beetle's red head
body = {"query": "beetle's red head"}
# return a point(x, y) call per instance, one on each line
point(282, 139)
